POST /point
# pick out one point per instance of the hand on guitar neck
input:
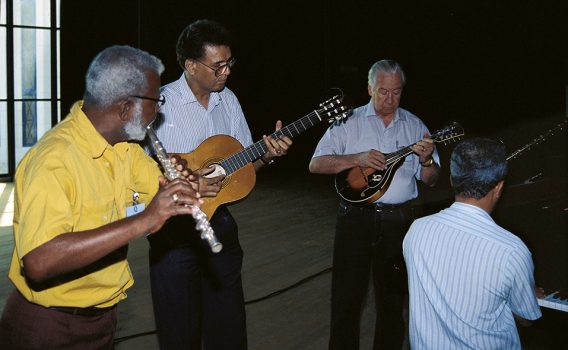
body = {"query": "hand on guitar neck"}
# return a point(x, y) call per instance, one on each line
point(277, 146)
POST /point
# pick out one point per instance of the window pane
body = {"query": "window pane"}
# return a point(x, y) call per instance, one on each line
point(32, 119)
point(58, 65)
point(3, 83)
point(58, 14)
point(32, 60)
point(2, 12)
point(3, 138)
point(32, 12)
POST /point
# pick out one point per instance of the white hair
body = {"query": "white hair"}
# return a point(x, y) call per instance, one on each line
point(385, 66)
point(118, 72)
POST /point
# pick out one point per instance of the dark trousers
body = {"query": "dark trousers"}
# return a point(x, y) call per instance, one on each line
point(368, 242)
point(198, 295)
point(27, 326)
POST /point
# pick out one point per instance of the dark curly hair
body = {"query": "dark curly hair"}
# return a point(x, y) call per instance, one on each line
point(193, 39)
point(476, 166)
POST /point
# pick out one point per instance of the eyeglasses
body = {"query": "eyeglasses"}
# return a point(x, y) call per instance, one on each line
point(222, 68)
point(159, 101)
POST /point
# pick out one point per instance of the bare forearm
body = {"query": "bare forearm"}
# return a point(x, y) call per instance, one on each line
point(429, 175)
point(259, 163)
point(523, 322)
point(332, 164)
point(74, 250)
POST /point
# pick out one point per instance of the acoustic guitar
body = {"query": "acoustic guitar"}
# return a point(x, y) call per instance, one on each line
point(360, 185)
point(229, 157)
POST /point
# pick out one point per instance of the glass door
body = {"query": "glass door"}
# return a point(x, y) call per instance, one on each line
point(29, 85)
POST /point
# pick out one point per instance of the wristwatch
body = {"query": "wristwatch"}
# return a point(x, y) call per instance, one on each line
point(427, 163)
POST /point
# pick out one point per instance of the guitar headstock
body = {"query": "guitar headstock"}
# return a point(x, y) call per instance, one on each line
point(333, 110)
point(450, 133)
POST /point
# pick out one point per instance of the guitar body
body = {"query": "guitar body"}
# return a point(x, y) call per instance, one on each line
point(235, 186)
point(365, 185)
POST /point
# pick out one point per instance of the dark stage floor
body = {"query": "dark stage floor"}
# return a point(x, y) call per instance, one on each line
point(286, 230)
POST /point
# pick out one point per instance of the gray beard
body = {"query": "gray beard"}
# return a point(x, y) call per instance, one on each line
point(134, 128)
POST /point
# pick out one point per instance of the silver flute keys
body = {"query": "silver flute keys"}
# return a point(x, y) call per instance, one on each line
point(170, 172)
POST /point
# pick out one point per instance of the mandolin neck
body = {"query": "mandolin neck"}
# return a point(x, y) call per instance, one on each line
point(396, 156)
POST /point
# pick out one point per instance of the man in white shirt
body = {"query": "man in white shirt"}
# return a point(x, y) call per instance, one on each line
point(469, 279)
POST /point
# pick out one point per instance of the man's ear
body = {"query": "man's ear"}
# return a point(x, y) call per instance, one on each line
point(124, 109)
point(189, 66)
point(499, 188)
point(370, 90)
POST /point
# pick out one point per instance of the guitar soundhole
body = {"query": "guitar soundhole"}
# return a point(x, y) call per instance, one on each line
point(219, 170)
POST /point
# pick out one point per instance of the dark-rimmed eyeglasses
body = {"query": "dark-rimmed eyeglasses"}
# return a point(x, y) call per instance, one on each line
point(159, 101)
point(222, 68)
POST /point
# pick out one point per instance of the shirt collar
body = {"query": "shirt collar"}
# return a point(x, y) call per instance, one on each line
point(370, 112)
point(95, 142)
point(471, 209)
point(186, 95)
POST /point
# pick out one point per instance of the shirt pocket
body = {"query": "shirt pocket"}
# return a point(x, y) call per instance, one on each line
point(96, 212)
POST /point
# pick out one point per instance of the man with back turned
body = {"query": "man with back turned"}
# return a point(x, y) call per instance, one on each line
point(470, 280)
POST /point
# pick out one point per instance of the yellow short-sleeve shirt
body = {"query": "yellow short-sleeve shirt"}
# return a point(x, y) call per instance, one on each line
point(73, 180)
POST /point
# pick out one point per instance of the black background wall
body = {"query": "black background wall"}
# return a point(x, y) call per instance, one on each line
point(498, 67)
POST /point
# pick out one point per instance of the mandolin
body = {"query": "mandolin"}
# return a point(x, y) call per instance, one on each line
point(360, 185)
point(229, 157)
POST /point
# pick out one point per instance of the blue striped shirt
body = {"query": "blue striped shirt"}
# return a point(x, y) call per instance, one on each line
point(467, 276)
point(187, 123)
point(364, 131)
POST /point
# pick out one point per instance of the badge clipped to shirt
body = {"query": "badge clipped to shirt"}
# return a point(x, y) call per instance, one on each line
point(136, 207)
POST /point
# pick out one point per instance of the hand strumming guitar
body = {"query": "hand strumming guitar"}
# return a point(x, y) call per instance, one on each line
point(209, 184)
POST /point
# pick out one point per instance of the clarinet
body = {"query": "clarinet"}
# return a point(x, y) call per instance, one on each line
point(170, 172)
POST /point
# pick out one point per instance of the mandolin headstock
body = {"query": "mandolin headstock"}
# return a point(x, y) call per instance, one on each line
point(450, 133)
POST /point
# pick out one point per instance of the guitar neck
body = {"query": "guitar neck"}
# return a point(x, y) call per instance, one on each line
point(257, 149)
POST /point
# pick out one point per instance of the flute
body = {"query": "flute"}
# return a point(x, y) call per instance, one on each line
point(171, 173)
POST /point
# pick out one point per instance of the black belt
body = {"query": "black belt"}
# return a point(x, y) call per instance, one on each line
point(83, 311)
point(381, 207)
point(390, 207)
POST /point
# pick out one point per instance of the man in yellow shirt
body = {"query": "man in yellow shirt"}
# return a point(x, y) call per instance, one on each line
point(80, 195)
